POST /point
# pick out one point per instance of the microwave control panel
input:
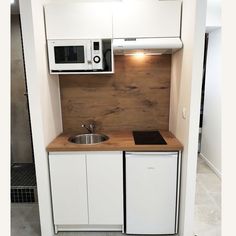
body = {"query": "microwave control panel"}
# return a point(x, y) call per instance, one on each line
point(97, 57)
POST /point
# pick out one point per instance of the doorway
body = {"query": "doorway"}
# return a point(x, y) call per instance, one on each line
point(208, 183)
point(23, 180)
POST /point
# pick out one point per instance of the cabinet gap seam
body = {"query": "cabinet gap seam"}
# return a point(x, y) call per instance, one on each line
point(86, 170)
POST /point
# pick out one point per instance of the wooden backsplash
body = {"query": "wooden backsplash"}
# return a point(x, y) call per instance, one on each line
point(136, 97)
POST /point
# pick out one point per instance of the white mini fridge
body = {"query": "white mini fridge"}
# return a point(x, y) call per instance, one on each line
point(152, 192)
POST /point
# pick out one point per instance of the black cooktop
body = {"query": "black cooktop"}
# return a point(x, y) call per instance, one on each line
point(148, 138)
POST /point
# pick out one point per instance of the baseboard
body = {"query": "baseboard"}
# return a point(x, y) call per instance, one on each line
point(84, 228)
point(213, 168)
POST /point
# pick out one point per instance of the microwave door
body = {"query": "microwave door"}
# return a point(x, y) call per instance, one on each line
point(68, 56)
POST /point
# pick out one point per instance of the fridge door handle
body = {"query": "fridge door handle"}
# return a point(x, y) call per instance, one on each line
point(127, 154)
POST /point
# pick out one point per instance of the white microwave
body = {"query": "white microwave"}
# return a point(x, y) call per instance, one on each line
point(75, 55)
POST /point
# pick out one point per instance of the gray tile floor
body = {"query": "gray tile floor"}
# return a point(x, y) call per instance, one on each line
point(25, 217)
point(208, 202)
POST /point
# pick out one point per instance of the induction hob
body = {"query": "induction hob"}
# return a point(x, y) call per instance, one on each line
point(148, 138)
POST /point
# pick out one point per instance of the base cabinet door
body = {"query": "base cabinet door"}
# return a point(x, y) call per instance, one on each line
point(105, 188)
point(69, 190)
point(151, 193)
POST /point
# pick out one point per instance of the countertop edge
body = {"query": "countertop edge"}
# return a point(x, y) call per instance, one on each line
point(119, 141)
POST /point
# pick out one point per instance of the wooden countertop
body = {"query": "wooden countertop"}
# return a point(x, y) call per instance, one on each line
point(118, 141)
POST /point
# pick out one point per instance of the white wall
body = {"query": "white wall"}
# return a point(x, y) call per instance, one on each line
point(44, 102)
point(213, 20)
point(211, 129)
point(186, 81)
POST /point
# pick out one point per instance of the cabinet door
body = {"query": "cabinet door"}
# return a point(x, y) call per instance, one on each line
point(149, 18)
point(85, 20)
point(68, 186)
point(105, 188)
point(151, 193)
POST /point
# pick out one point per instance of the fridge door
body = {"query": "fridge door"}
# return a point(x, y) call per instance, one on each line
point(151, 192)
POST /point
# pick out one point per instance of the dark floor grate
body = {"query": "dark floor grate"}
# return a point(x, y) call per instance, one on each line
point(23, 183)
point(23, 195)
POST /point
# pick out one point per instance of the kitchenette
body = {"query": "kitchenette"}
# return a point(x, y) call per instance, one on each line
point(108, 153)
point(116, 159)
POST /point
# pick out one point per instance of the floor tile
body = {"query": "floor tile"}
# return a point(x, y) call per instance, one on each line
point(25, 219)
point(217, 198)
point(211, 182)
point(209, 214)
point(208, 202)
point(202, 167)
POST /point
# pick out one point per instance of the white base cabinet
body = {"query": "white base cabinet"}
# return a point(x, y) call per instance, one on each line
point(87, 190)
point(69, 188)
point(105, 188)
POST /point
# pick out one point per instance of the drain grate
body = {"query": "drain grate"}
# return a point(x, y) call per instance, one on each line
point(23, 194)
point(23, 183)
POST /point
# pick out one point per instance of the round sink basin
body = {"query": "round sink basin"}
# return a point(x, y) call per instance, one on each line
point(88, 138)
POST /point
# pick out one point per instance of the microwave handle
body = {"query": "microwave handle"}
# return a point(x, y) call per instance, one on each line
point(89, 53)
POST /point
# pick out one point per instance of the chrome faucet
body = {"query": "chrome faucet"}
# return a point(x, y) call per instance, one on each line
point(91, 127)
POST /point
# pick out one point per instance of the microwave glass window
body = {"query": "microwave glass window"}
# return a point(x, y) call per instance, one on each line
point(69, 54)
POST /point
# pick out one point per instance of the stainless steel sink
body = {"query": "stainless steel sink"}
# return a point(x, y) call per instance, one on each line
point(88, 138)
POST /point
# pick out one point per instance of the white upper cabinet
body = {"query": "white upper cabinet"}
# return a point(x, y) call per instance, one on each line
point(91, 20)
point(149, 18)
point(106, 20)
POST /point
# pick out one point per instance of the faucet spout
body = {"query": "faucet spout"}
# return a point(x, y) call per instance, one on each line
point(90, 128)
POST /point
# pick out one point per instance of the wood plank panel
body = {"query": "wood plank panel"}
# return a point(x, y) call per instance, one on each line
point(136, 97)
